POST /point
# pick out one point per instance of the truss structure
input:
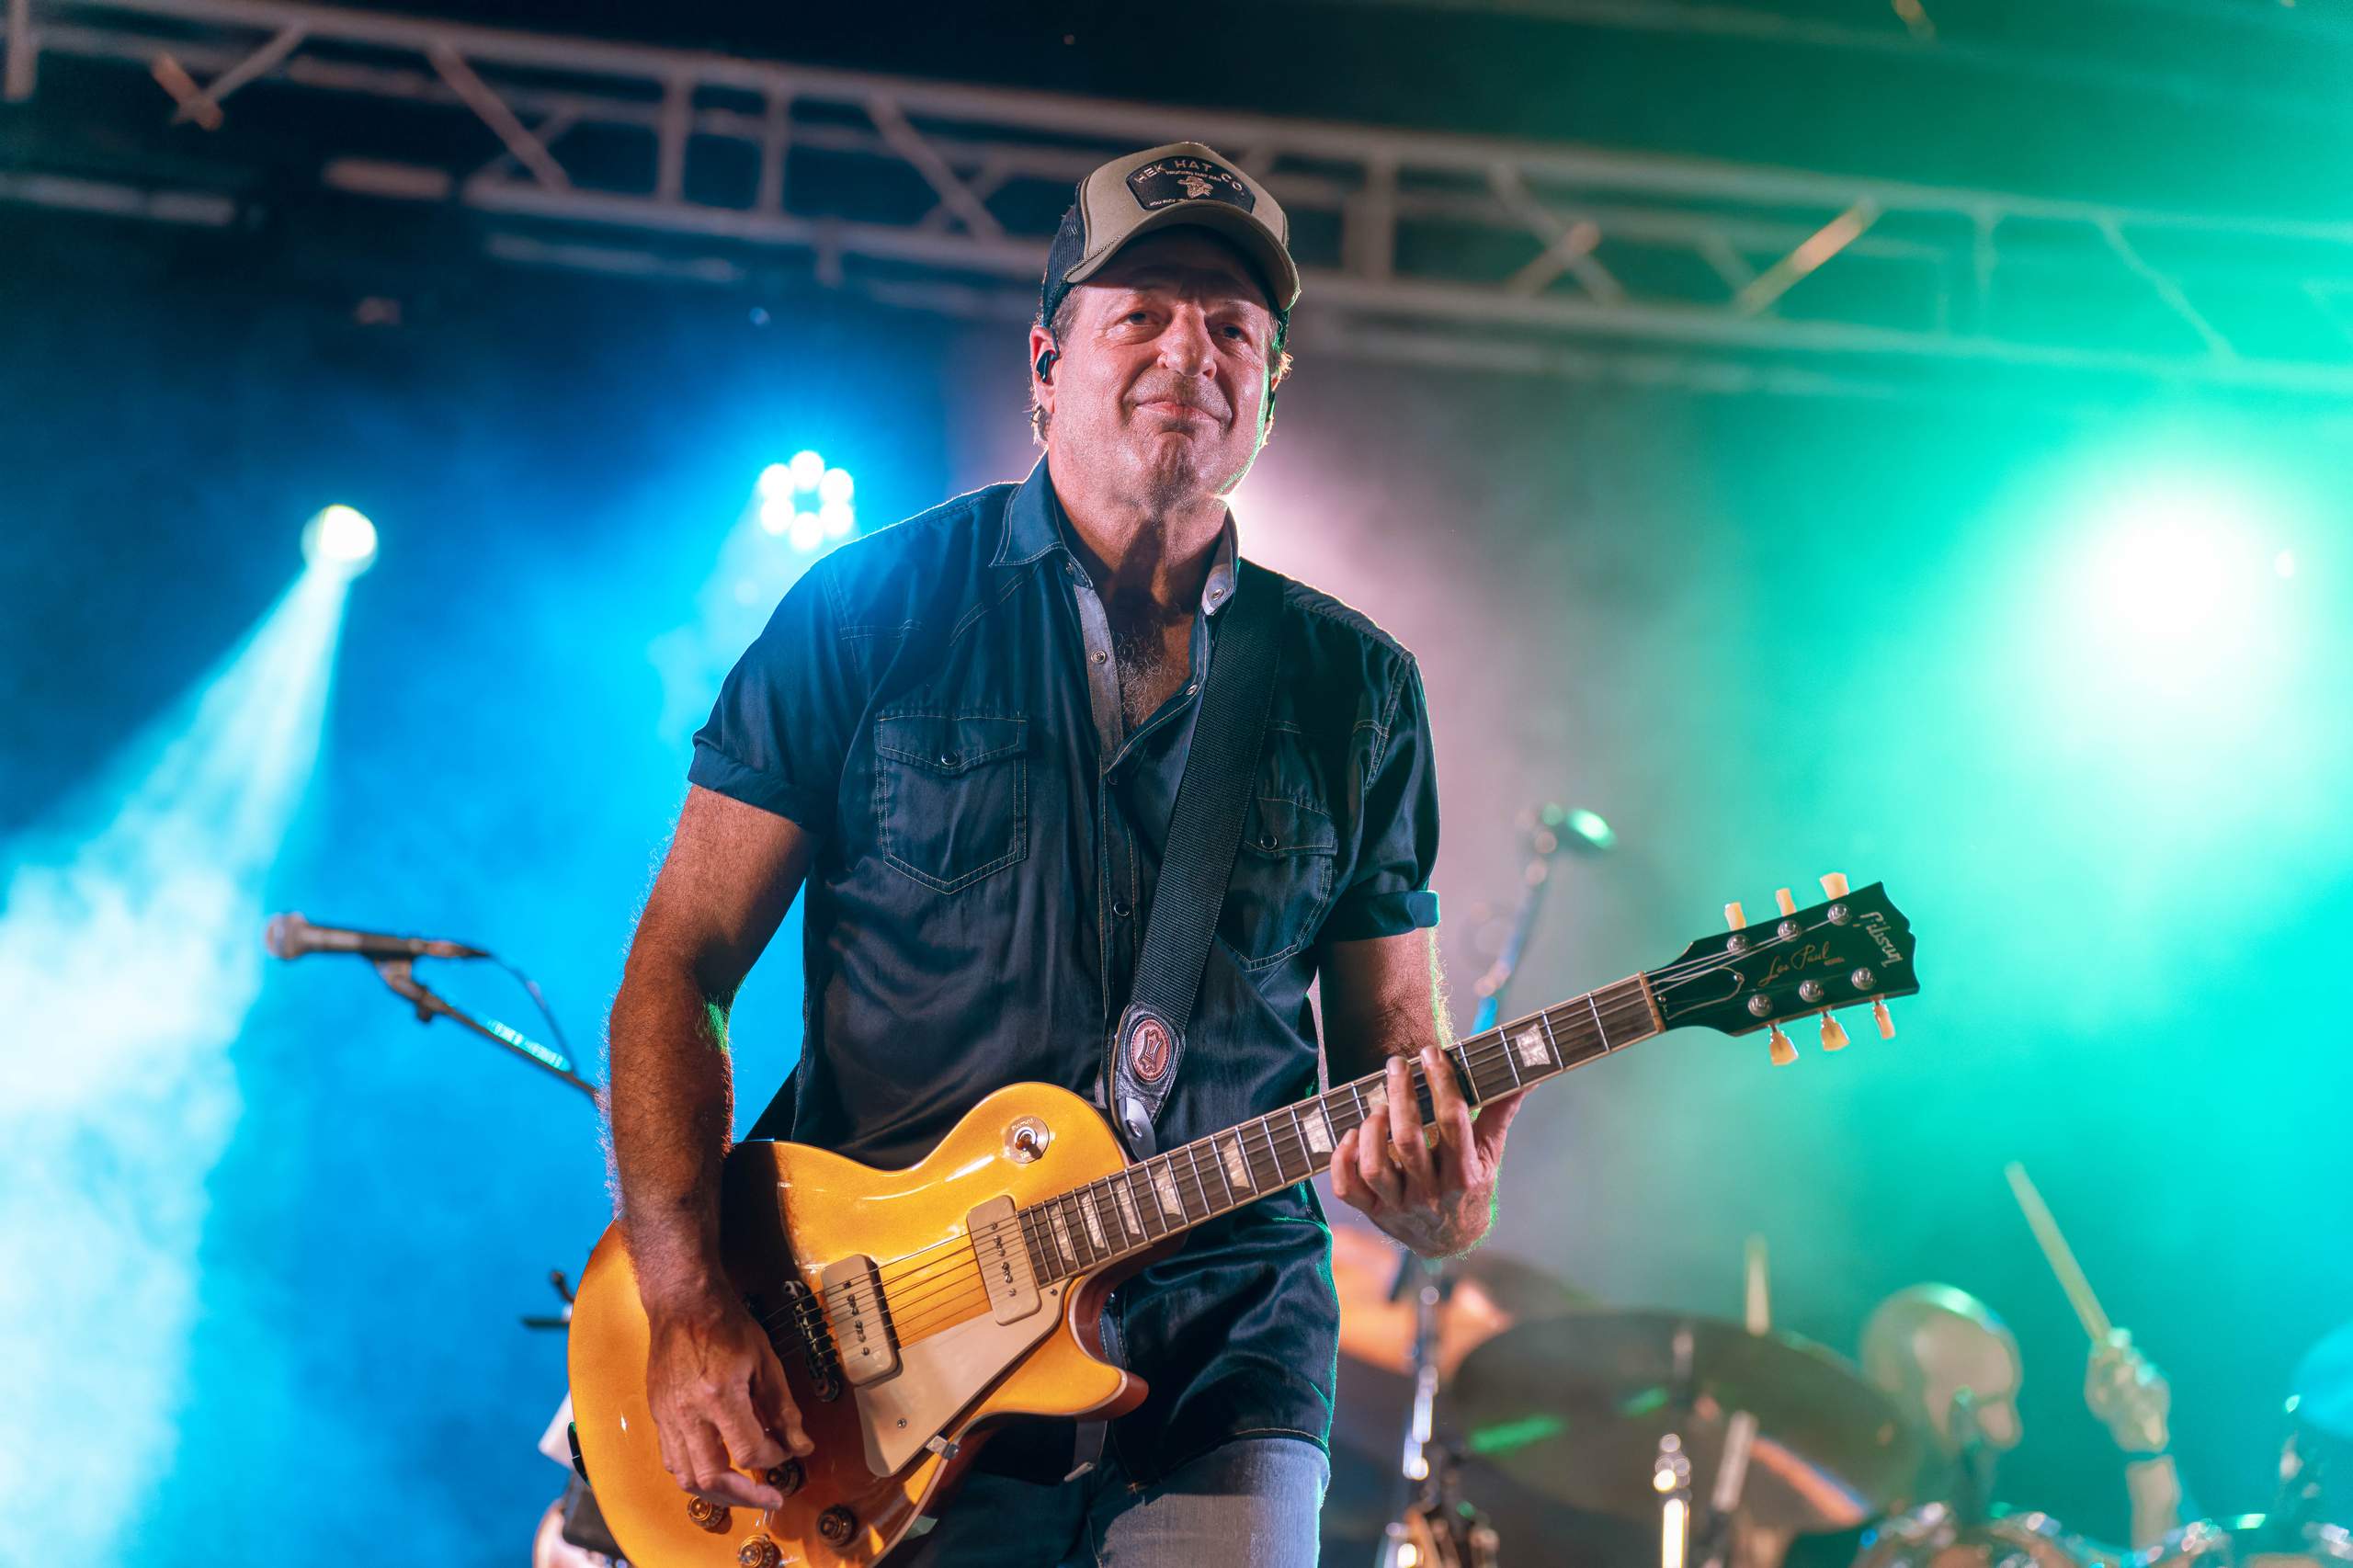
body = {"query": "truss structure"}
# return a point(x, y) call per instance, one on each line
point(1432, 248)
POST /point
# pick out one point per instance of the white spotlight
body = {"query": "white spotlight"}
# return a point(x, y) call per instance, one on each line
point(837, 519)
point(808, 468)
point(339, 539)
point(834, 486)
point(808, 531)
point(776, 514)
point(775, 482)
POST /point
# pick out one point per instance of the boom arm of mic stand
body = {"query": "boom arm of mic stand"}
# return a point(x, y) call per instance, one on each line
point(399, 974)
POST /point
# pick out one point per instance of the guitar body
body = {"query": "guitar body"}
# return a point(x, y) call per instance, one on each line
point(888, 1438)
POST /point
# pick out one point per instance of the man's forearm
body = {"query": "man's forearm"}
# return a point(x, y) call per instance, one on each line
point(672, 1106)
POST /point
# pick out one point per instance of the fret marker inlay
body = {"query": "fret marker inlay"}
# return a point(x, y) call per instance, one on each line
point(1316, 1131)
point(1127, 1208)
point(1531, 1049)
point(1237, 1170)
point(1164, 1181)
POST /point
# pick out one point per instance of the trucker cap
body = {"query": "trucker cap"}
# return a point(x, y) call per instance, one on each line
point(1165, 187)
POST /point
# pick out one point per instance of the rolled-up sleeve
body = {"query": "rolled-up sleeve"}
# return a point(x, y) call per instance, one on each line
point(781, 728)
point(1397, 830)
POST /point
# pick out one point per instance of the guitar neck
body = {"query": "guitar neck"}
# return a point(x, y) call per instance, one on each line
point(1104, 1221)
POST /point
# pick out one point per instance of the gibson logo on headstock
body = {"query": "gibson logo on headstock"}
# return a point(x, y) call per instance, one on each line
point(1876, 924)
point(1804, 957)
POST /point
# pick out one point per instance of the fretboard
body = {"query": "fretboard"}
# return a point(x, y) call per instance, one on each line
point(1105, 1220)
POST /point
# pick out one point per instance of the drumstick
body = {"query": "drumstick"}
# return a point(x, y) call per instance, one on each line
point(2056, 1252)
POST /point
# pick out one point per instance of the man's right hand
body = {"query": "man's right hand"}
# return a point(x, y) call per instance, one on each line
point(720, 1403)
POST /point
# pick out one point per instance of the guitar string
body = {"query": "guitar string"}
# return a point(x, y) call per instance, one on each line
point(926, 1277)
point(951, 1289)
point(918, 1313)
point(1482, 1046)
point(911, 1312)
point(1673, 976)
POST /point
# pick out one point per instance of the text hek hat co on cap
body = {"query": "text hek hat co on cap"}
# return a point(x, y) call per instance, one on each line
point(1183, 184)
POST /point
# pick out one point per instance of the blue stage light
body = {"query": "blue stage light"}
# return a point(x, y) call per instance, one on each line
point(339, 539)
point(129, 955)
point(808, 469)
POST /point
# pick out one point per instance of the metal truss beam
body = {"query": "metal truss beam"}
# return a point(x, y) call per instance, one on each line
point(1468, 250)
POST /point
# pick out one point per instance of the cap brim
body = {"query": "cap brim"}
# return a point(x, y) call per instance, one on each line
point(1276, 268)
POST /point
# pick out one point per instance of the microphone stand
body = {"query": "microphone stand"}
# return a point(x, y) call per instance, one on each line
point(1550, 832)
point(398, 974)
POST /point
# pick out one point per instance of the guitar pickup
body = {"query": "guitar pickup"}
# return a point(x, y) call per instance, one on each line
point(1004, 1260)
point(864, 1343)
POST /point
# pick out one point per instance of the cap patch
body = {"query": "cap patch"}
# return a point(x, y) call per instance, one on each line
point(1166, 181)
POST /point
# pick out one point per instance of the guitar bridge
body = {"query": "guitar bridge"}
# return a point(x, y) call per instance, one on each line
point(798, 1328)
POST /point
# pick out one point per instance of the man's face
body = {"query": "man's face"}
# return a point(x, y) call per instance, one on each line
point(1162, 384)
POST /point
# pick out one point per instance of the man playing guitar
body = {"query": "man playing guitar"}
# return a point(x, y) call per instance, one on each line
point(962, 737)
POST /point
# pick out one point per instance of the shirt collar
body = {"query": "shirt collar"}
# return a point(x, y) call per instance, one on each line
point(1034, 524)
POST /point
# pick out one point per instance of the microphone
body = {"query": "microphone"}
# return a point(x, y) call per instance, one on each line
point(289, 936)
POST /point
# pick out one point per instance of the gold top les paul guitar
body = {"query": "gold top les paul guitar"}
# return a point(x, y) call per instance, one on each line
point(912, 1308)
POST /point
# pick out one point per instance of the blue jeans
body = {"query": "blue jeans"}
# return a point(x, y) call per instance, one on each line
point(1252, 1503)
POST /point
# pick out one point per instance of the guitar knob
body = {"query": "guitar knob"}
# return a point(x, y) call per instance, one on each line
point(1788, 905)
point(789, 1477)
point(1886, 1024)
point(837, 1525)
point(759, 1553)
point(708, 1515)
point(1834, 883)
point(1834, 1038)
point(1734, 918)
point(1783, 1052)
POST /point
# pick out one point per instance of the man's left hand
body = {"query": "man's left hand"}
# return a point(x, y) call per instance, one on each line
point(1435, 1194)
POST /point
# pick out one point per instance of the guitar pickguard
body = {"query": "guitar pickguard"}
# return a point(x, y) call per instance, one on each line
point(940, 1376)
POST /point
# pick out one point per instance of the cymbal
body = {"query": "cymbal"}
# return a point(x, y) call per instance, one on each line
point(1574, 1405)
point(1492, 1291)
point(2323, 1385)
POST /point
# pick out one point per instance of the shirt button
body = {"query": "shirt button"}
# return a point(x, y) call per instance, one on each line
point(1098, 655)
point(948, 759)
point(1120, 908)
point(1192, 688)
point(1265, 841)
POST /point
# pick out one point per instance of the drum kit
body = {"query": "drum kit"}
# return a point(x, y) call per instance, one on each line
point(1698, 1442)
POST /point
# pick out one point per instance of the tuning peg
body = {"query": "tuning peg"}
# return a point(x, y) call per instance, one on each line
point(1834, 885)
point(1788, 905)
point(1734, 918)
point(1832, 1037)
point(1886, 1024)
point(1783, 1052)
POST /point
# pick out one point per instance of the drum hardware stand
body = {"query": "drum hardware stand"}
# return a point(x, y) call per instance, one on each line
point(1429, 1282)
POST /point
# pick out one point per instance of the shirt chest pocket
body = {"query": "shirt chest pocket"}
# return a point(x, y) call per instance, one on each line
point(951, 802)
point(1282, 880)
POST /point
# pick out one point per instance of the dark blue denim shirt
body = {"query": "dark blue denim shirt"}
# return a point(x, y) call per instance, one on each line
point(939, 703)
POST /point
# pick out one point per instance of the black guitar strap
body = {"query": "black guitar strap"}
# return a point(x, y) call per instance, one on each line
point(1204, 835)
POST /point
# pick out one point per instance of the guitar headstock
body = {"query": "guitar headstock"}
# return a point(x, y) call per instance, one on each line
point(1852, 950)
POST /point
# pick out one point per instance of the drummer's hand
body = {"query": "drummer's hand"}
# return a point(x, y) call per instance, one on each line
point(2129, 1394)
point(1435, 1194)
